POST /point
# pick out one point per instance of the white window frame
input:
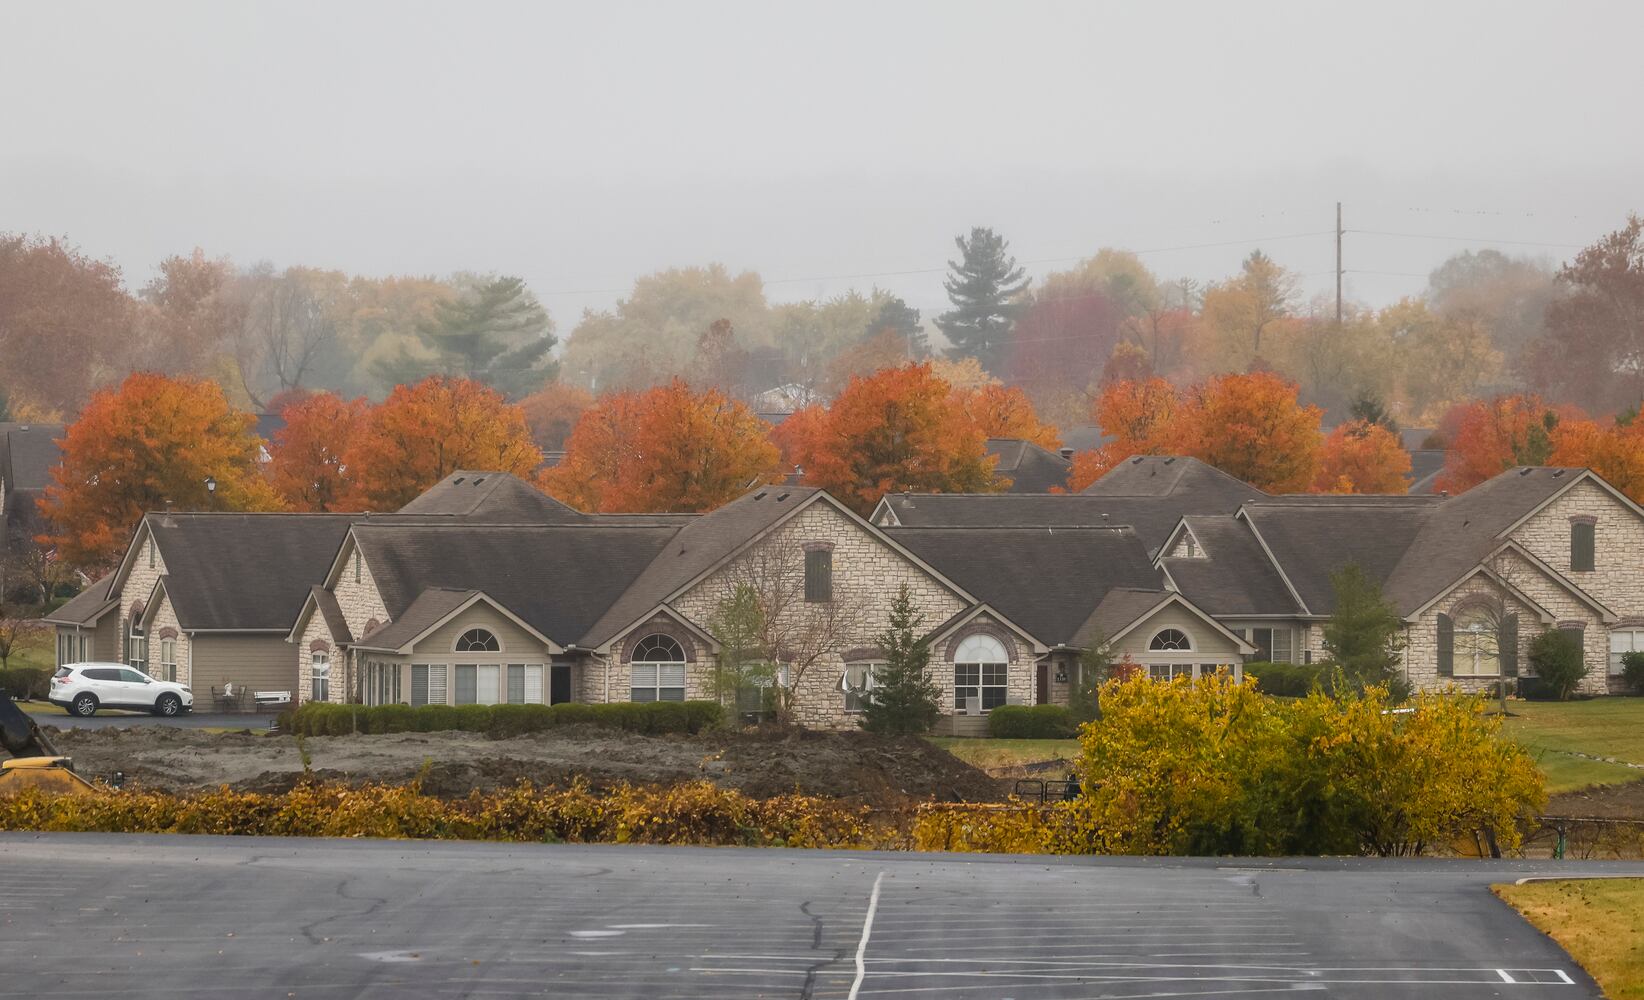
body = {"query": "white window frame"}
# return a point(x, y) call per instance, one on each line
point(319, 675)
point(1632, 640)
point(657, 679)
point(1478, 633)
point(856, 689)
point(1184, 633)
point(168, 659)
point(486, 680)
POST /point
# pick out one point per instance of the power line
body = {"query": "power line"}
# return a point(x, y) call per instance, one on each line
point(1467, 239)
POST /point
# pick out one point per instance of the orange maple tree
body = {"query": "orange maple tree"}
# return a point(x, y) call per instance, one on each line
point(1251, 426)
point(152, 439)
point(552, 412)
point(666, 449)
point(1362, 457)
point(1493, 435)
point(307, 467)
point(1138, 417)
point(1615, 452)
point(1004, 412)
point(421, 433)
point(896, 429)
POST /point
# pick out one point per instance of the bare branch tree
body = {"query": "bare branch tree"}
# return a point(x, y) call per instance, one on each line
point(287, 322)
point(798, 633)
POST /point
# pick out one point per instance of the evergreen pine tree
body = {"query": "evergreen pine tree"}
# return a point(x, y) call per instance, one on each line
point(985, 288)
point(5, 406)
point(743, 670)
point(902, 698)
point(903, 320)
point(1364, 635)
point(496, 332)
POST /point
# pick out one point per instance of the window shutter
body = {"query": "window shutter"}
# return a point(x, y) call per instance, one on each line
point(1579, 637)
point(1582, 545)
point(1507, 643)
point(1446, 645)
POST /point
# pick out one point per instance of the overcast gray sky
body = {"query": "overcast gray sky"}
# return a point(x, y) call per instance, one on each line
point(580, 145)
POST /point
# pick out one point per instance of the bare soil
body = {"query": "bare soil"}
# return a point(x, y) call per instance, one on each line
point(857, 767)
point(1602, 802)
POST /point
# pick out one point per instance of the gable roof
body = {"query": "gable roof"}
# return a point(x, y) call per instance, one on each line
point(1029, 467)
point(496, 497)
point(433, 608)
point(27, 454)
point(558, 578)
point(87, 607)
point(1232, 575)
point(1310, 540)
point(1123, 608)
point(1152, 518)
point(240, 572)
point(1046, 580)
point(1173, 475)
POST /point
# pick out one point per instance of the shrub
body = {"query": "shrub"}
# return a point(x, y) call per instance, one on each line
point(1287, 680)
point(1032, 722)
point(502, 721)
point(1556, 656)
point(26, 682)
point(1632, 671)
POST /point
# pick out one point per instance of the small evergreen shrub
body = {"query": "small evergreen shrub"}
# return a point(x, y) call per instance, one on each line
point(1287, 680)
point(1632, 671)
point(1556, 656)
point(1032, 722)
point(26, 682)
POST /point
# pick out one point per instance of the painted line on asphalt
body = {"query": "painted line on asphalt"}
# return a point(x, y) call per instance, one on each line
point(867, 929)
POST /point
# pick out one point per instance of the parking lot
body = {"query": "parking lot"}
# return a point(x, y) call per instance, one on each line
point(89, 915)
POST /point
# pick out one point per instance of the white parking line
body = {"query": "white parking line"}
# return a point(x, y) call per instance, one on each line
point(862, 945)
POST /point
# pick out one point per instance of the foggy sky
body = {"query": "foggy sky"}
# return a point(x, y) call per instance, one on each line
point(581, 145)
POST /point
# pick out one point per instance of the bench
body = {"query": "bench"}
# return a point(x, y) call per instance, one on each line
point(271, 699)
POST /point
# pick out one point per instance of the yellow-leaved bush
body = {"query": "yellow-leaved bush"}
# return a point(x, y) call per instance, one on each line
point(1213, 767)
point(691, 813)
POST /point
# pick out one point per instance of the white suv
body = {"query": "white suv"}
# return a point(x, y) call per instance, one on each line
point(83, 688)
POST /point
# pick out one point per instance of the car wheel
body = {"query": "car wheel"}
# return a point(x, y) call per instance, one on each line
point(84, 705)
point(168, 704)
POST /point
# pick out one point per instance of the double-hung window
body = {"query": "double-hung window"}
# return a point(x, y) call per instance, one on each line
point(658, 682)
point(858, 682)
point(168, 659)
point(524, 683)
point(319, 674)
point(1622, 642)
point(1274, 645)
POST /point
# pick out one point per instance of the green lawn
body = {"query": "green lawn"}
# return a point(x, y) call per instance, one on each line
point(989, 754)
point(1600, 922)
point(1605, 727)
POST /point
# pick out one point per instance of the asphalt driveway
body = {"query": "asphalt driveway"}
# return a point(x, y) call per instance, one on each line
point(190, 720)
point(90, 915)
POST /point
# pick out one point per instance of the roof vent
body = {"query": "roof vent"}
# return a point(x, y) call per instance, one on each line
point(1137, 460)
point(760, 495)
point(1557, 473)
point(1066, 452)
point(1525, 471)
point(479, 480)
point(782, 496)
point(458, 481)
point(1169, 460)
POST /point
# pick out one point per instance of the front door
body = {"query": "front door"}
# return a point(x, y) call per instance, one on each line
point(1042, 688)
point(559, 683)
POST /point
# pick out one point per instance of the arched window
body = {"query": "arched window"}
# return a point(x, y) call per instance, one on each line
point(478, 640)
point(1170, 640)
point(980, 666)
point(1478, 647)
point(658, 669)
point(136, 642)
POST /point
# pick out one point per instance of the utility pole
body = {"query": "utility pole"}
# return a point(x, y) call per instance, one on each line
point(1338, 265)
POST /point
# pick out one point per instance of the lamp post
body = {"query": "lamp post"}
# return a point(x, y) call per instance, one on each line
point(211, 492)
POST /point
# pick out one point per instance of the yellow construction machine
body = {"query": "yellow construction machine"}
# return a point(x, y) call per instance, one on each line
point(34, 762)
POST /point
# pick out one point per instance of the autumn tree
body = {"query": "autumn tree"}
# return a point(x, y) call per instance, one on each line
point(1614, 451)
point(66, 324)
point(893, 430)
point(885, 349)
point(1246, 309)
point(192, 313)
point(426, 431)
point(1361, 456)
point(1503, 297)
point(288, 328)
point(1252, 427)
point(1004, 412)
point(1594, 344)
point(1494, 435)
point(553, 411)
point(308, 467)
point(1138, 418)
point(151, 440)
point(985, 286)
point(668, 448)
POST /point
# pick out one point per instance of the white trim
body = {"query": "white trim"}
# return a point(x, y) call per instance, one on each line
point(1242, 645)
point(966, 617)
point(479, 595)
point(478, 652)
point(604, 648)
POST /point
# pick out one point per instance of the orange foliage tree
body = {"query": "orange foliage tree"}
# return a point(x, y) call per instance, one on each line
point(308, 468)
point(553, 411)
point(150, 440)
point(664, 449)
point(1362, 457)
point(1252, 427)
point(421, 433)
point(1491, 436)
point(1005, 412)
point(896, 429)
point(1138, 417)
point(1615, 452)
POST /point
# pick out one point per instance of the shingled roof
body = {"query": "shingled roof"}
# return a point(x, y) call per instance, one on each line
point(1030, 468)
point(1151, 517)
point(249, 572)
point(86, 607)
point(1231, 575)
point(558, 578)
point(1047, 580)
point(1175, 475)
point(492, 497)
point(27, 454)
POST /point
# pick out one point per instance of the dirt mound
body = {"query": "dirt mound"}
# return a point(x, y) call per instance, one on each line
point(858, 767)
point(1604, 802)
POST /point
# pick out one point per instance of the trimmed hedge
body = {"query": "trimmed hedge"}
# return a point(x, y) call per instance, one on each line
point(1032, 722)
point(501, 721)
point(1288, 680)
point(27, 682)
